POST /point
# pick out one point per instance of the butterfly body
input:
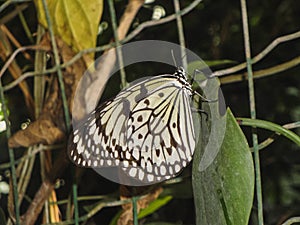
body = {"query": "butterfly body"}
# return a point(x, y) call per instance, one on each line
point(146, 130)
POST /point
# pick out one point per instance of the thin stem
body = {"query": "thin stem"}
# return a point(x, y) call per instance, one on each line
point(271, 139)
point(11, 157)
point(261, 73)
point(4, 5)
point(272, 127)
point(39, 81)
point(292, 221)
point(57, 63)
point(142, 26)
point(25, 171)
point(15, 53)
point(32, 154)
point(116, 36)
point(259, 56)
point(180, 33)
point(81, 198)
point(134, 210)
point(25, 25)
point(76, 216)
point(13, 40)
point(252, 111)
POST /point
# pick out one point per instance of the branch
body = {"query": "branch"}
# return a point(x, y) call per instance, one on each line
point(15, 53)
point(271, 139)
point(260, 56)
point(45, 190)
point(261, 73)
point(167, 19)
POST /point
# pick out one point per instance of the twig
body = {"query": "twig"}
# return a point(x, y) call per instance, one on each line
point(57, 63)
point(292, 220)
point(24, 171)
point(263, 124)
point(261, 73)
point(271, 139)
point(25, 25)
point(224, 80)
point(252, 111)
point(260, 56)
point(14, 40)
point(24, 76)
point(15, 53)
point(32, 154)
point(135, 210)
point(180, 33)
point(13, 13)
point(81, 198)
point(45, 189)
point(117, 41)
point(151, 23)
point(4, 5)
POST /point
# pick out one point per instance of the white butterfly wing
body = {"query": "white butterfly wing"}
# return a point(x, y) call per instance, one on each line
point(101, 139)
point(147, 130)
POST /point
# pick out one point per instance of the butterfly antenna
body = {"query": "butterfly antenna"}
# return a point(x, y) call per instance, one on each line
point(173, 57)
point(194, 75)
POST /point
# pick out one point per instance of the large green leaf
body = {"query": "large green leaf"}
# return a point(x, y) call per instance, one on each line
point(75, 21)
point(224, 191)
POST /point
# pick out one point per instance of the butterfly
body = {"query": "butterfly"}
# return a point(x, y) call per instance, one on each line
point(146, 130)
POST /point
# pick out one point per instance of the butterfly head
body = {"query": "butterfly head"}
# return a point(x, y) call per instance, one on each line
point(180, 72)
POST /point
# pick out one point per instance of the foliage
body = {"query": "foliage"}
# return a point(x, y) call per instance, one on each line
point(224, 191)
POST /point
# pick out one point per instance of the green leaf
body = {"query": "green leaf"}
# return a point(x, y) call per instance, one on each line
point(75, 21)
point(197, 64)
point(224, 191)
point(154, 206)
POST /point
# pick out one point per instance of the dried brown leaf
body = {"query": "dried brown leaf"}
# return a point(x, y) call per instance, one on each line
point(126, 218)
